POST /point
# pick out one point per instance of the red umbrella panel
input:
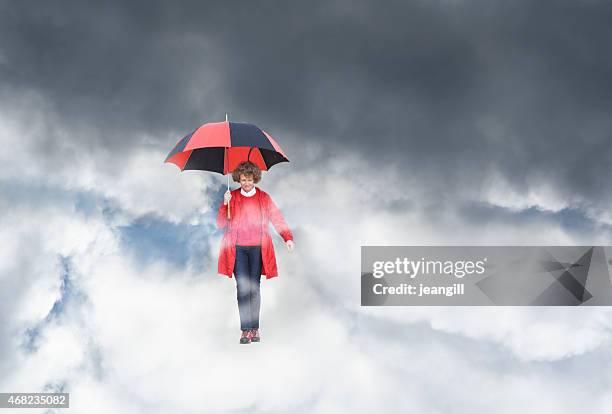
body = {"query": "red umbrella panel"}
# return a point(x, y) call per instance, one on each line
point(221, 146)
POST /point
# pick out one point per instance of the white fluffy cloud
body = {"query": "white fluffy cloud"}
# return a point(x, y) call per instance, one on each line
point(339, 211)
point(158, 338)
point(43, 153)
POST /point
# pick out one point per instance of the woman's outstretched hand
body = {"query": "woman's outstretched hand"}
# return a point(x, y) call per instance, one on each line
point(227, 197)
point(290, 245)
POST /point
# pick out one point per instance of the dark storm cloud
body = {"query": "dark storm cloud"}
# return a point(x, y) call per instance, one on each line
point(447, 88)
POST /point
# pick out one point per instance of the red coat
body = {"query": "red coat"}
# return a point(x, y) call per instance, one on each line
point(270, 213)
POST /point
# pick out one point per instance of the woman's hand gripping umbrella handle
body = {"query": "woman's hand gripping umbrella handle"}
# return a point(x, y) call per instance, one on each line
point(226, 200)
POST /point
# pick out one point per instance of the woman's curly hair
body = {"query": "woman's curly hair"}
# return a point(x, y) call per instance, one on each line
point(247, 168)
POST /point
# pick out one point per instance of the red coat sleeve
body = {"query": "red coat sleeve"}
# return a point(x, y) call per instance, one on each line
point(278, 221)
point(222, 220)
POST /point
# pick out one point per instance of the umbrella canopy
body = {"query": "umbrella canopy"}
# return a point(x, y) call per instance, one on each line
point(221, 146)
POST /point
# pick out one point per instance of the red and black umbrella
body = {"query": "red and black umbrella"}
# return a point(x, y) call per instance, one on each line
point(220, 146)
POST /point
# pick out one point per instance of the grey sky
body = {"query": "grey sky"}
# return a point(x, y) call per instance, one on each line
point(523, 86)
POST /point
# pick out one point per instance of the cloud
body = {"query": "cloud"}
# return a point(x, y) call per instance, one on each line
point(142, 328)
point(45, 154)
point(351, 212)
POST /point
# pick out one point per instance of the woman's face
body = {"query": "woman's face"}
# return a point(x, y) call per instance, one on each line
point(246, 182)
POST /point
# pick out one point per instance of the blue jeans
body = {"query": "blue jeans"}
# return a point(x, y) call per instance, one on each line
point(247, 270)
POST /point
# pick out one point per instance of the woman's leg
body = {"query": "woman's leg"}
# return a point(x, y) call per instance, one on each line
point(255, 264)
point(243, 287)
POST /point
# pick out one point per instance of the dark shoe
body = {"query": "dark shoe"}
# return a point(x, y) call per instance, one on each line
point(246, 337)
point(255, 335)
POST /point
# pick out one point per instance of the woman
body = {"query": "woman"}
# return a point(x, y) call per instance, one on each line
point(246, 248)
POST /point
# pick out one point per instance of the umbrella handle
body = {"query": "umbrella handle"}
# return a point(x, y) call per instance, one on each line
point(226, 162)
point(229, 216)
